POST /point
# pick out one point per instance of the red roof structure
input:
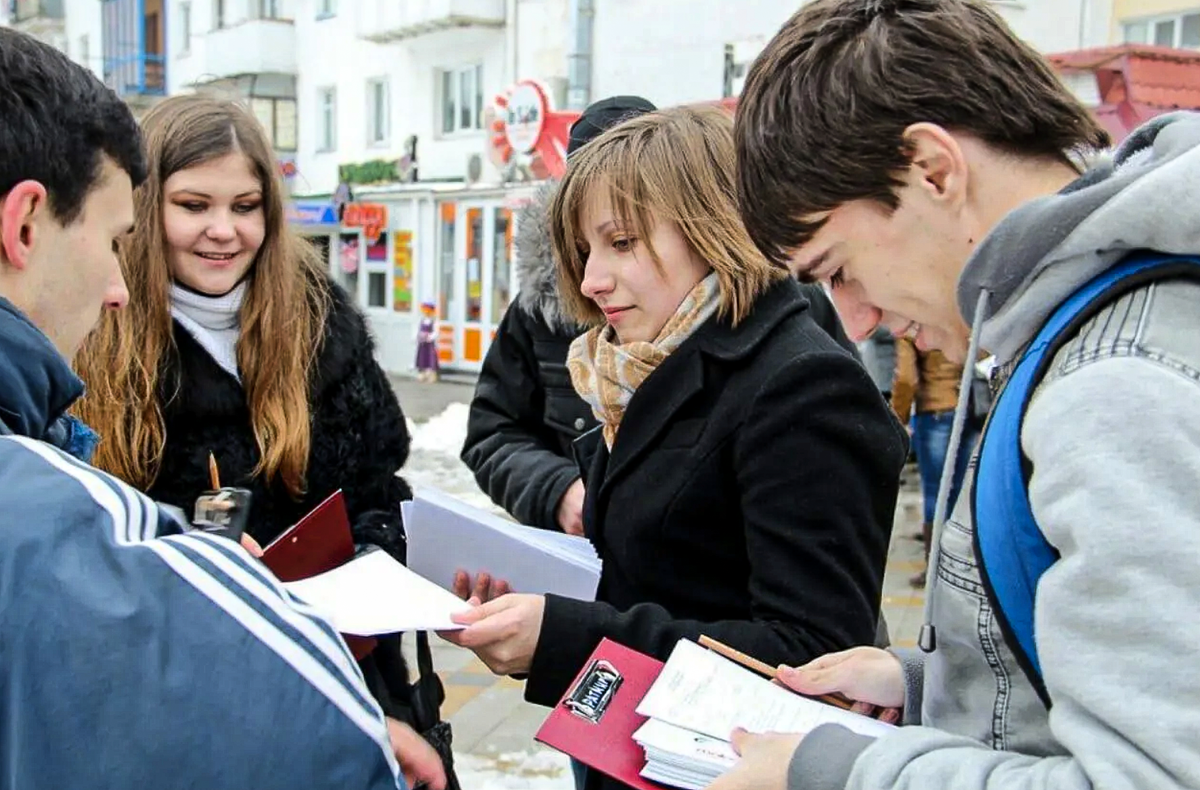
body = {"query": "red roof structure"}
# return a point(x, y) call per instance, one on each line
point(1136, 82)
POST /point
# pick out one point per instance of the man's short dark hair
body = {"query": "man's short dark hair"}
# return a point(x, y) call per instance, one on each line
point(56, 120)
point(821, 119)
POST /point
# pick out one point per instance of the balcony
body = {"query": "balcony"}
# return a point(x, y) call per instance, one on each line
point(133, 76)
point(32, 10)
point(255, 46)
point(37, 17)
point(384, 21)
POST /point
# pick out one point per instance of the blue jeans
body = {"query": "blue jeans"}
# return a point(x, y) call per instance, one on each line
point(931, 440)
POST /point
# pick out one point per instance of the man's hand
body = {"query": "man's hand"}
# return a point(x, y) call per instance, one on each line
point(873, 678)
point(421, 765)
point(570, 509)
point(484, 589)
point(503, 633)
point(764, 763)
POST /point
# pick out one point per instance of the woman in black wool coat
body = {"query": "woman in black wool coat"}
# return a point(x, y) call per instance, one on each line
point(742, 483)
point(236, 343)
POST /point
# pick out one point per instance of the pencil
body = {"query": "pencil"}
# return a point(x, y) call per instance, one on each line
point(835, 699)
point(214, 476)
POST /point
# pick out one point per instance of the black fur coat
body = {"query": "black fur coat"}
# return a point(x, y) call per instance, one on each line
point(359, 435)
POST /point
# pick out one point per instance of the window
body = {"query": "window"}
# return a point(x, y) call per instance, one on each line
point(327, 119)
point(326, 8)
point(377, 112)
point(462, 99)
point(278, 118)
point(185, 28)
point(1181, 31)
point(268, 9)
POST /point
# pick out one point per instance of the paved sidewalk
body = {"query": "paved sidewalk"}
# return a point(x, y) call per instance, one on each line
point(493, 726)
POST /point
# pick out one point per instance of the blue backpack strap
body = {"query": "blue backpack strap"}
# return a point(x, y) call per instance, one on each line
point(1009, 546)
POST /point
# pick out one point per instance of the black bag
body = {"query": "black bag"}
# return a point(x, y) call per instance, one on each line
point(417, 704)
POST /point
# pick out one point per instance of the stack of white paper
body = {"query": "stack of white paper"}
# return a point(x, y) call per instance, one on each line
point(697, 701)
point(373, 594)
point(446, 535)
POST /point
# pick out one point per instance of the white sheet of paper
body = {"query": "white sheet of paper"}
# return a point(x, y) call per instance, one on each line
point(702, 691)
point(446, 534)
point(689, 748)
point(373, 594)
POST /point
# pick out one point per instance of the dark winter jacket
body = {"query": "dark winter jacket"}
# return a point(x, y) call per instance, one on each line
point(525, 413)
point(133, 656)
point(359, 435)
point(359, 440)
point(749, 496)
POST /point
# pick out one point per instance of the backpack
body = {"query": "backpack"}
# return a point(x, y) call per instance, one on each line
point(1011, 550)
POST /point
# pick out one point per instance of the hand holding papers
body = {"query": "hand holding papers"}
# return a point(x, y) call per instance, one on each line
point(682, 721)
point(446, 535)
point(373, 594)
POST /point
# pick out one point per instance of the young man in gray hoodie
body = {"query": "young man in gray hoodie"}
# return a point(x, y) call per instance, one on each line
point(957, 210)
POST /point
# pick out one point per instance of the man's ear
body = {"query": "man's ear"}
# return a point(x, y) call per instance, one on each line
point(939, 166)
point(20, 210)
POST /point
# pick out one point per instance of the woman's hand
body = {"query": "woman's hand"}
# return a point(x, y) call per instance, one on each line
point(873, 678)
point(503, 633)
point(485, 588)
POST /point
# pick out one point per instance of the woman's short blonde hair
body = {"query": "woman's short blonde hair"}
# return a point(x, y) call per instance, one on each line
point(674, 165)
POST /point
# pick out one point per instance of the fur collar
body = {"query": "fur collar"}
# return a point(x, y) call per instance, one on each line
point(535, 262)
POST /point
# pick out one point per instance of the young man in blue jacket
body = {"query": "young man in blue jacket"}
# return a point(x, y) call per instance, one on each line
point(132, 655)
point(922, 160)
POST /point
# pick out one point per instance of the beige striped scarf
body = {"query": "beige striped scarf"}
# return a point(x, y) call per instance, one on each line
point(606, 374)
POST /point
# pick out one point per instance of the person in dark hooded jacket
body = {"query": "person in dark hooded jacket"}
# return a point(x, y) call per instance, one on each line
point(525, 413)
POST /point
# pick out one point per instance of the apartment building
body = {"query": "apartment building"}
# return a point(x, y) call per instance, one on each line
point(411, 131)
point(45, 19)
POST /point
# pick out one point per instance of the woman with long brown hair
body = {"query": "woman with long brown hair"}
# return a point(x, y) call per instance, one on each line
point(236, 343)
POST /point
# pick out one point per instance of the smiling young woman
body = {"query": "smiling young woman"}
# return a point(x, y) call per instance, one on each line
point(236, 343)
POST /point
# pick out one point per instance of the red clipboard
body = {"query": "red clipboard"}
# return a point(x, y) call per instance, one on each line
point(595, 720)
point(319, 542)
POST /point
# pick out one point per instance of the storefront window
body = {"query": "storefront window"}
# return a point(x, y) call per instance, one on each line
point(377, 289)
point(346, 271)
point(501, 256)
point(474, 265)
point(378, 267)
point(446, 240)
point(402, 272)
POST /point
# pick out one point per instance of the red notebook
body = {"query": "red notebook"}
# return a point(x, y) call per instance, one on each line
point(595, 721)
point(319, 542)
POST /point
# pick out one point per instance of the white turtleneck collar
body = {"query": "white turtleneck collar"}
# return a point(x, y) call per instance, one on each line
point(212, 321)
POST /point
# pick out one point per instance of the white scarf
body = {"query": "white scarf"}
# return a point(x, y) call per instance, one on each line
point(212, 321)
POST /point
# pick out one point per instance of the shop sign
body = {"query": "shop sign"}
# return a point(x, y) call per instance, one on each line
point(371, 217)
point(311, 213)
point(525, 116)
point(525, 129)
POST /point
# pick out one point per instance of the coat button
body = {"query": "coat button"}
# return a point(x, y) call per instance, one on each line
point(579, 423)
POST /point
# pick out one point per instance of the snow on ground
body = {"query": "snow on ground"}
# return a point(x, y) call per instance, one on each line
point(535, 770)
point(434, 462)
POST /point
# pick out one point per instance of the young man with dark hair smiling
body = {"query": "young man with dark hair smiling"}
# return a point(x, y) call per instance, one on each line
point(928, 165)
point(130, 655)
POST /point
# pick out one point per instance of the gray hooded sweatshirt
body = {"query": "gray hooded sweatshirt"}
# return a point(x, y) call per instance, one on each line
point(1113, 436)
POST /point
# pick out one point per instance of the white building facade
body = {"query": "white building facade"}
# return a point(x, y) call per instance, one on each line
point(385, 117)
point(676, 51)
